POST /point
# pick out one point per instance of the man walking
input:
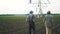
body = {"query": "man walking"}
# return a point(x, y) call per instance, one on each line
point(30, 18)
point(48, 19)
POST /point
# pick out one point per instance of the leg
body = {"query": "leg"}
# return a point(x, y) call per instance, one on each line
point(33, 29)
point(50, 31)
point(29, 29)
point(46, 30)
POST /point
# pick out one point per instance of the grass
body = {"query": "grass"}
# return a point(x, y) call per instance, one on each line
point(18, 25)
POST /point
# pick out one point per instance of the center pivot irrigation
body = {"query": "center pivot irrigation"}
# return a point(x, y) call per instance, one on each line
point(39, 5)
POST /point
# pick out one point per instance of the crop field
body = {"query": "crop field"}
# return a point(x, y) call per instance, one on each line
point(18, 25)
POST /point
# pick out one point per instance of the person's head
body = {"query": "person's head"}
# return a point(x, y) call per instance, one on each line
point(31, 12)
point(48, 12)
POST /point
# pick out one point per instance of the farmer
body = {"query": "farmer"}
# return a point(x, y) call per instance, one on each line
point(48, 22)
point(30, 18)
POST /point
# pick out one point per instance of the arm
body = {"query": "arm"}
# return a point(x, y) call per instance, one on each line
point(27, 19)
point(44, 19)
point(52, 19)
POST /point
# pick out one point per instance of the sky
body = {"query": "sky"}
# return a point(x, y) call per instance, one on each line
point(24, 7)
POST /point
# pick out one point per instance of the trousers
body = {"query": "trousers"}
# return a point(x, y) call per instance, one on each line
point(48, 30)
point(32, 28)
